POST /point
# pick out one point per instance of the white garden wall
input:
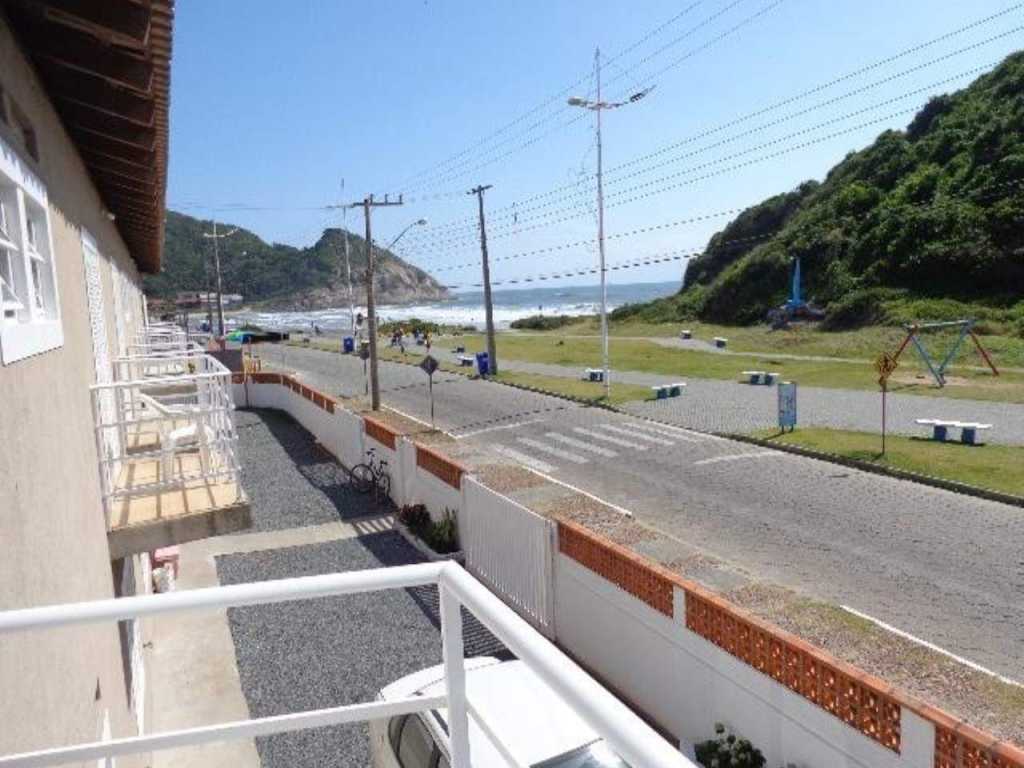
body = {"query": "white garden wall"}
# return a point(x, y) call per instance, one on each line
point(687, 684)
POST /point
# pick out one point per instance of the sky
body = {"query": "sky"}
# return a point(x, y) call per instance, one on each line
point(273, 105)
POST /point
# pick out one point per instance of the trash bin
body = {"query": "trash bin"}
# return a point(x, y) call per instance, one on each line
point(483, 363)
point(348, 345)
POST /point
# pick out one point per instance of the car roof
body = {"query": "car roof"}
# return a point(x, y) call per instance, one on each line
point(531, 719)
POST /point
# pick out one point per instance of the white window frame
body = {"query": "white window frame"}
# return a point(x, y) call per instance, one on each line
point(36, 325)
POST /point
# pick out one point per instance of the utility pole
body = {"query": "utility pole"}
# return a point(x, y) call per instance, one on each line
point(492, 349)
point(216, 262)
point(598, 107)
point(371, 315)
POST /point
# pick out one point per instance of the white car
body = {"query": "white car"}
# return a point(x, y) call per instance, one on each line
point(535, 725)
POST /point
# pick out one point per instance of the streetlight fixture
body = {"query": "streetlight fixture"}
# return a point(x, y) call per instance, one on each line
point(417, 223)
point(597, 106)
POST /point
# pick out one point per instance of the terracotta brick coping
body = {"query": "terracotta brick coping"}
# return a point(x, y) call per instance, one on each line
point(781, 655)
point(439, 465)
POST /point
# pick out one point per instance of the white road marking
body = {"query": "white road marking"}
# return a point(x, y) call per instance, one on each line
point(932, 647)
point(637, 435)
point(616, 507)
point(500, 426)
point(609, 439)
point(419, 421)
point(737, 457)
point(528, 461)
point(676, 433)
point(575, 458)
point(607, 452)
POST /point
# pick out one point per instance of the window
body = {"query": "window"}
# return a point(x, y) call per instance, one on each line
point(30, 320)
point(415, 747)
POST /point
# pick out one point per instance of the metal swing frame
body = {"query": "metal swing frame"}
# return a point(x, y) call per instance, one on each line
point(939, 371)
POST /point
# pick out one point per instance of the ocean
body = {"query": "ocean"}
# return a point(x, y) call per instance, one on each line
point(467, 309)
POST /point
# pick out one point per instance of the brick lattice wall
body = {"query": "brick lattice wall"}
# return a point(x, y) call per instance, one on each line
point(440, 466)
point(617, 564)
point(851, 695)
point(382, 434)
point(960, 746)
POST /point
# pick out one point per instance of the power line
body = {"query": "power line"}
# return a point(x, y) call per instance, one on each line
point(809, 92)
point(556, 97)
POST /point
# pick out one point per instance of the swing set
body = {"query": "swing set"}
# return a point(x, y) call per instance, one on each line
point(938, 370)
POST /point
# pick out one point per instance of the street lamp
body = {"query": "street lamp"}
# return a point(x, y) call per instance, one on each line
point(417, 223)
point(597, 106)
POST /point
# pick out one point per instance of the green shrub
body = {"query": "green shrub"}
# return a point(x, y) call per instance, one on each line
point(442, 536)
point(727, 751)
point(864, 306)
point(543, 322)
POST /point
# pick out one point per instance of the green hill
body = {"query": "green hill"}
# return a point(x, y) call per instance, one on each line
point(281, 275)
point(923, 220)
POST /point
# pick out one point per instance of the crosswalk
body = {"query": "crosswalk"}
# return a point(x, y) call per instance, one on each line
point(595, 442)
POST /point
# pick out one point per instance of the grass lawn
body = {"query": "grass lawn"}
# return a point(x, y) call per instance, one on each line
point(864, 343)
point(989, 466)
point(631, 355)
point(621, 393)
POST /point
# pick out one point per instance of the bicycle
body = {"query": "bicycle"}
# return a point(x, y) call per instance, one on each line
point(371, 476)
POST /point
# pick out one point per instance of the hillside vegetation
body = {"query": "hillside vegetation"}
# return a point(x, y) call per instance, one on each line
point(923, 223)
point(281, 275)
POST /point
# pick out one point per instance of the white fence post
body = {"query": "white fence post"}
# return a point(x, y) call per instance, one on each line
point(454, 676)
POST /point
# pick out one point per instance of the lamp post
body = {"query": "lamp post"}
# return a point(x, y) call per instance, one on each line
point(417, 223)
point(597, 106)
point(216, 261)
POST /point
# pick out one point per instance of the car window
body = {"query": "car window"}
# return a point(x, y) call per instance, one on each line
point(415, 747)
point(395, 730)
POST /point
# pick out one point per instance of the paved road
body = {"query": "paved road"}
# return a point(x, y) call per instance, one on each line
point(946, 567)
point(714, 405)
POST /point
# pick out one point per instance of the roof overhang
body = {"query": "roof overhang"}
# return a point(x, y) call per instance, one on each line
point(106, 67)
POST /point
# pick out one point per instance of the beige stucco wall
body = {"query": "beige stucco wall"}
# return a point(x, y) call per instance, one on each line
point(57, 686)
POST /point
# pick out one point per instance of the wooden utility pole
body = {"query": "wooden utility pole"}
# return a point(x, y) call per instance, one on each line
point(492, 348)
point(216, 261)
point(371, 314)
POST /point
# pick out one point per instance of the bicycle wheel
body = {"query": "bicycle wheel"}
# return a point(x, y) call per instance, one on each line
point(361, 478)
point(384, 486)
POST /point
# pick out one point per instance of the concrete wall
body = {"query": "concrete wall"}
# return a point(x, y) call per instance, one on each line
point(58, 688)
point(687, 684)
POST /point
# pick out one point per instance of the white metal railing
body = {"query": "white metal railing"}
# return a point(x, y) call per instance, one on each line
point(159, 409)
point(627, 734)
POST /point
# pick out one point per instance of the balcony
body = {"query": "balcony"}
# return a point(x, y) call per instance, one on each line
point(470, 726)
point(166, 440)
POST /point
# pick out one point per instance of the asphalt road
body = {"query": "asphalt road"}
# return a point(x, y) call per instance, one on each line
point(945, 567)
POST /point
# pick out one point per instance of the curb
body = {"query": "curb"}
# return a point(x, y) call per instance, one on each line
point(954, 486)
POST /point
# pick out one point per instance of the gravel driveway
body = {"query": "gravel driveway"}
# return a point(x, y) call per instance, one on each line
point(290, 481)
point(312, 654)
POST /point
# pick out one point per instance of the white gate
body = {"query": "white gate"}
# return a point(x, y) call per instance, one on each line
point(511, 550)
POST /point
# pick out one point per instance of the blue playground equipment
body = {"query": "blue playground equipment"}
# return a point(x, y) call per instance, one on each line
point(796, 307)
point(937, 368)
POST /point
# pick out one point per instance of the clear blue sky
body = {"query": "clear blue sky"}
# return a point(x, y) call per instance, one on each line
point(272, 104)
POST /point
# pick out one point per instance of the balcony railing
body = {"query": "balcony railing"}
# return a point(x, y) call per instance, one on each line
point(166, 442)
point(626, 733)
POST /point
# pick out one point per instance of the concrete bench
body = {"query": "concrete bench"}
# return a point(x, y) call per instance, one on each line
point(940, 429)
point(593, 374)
point(663, 391)
point(459, 350)
point(686, 334)
point(760, 377)
point(466, 361)
point(720, 342)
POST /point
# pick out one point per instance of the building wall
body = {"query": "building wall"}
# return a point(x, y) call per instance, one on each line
point(58, 687)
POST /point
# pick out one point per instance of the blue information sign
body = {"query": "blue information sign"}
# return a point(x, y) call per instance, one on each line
point(787, 404)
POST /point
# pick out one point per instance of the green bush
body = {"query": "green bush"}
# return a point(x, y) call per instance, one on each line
point(543, 322)
point(442, 536)
point(727, 751)
point(865, 306)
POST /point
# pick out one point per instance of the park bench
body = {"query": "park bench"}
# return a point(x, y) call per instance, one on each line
point(593, 374)
point(663, 391)
point(459, 350)
point(686, 334)
point(466, 361)
point(760, 377)
point(940, 429)
point(720, 342)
